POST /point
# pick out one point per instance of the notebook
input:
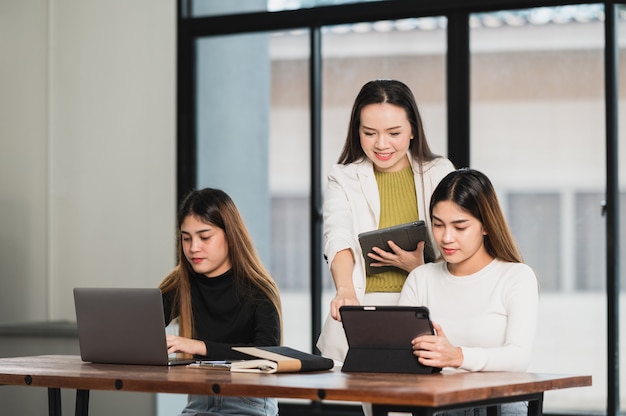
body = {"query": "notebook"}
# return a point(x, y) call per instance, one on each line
point(270, 360)
point(379, 338)
point(122, 326)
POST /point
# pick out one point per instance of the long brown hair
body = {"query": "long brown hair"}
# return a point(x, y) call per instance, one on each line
point(215, 207)
point(473, 192)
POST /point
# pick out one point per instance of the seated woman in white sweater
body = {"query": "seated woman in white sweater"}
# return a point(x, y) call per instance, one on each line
point(483, 300)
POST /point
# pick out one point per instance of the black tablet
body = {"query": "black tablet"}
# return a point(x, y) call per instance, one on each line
point(379, 338)
point(404, 235)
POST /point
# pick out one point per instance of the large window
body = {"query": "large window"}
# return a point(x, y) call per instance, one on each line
point(537, 129)
point(411, 50)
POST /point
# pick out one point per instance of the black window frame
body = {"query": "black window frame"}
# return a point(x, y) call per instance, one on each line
point(457, 12)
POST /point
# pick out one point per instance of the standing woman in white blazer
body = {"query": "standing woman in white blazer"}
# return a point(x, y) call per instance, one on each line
point(385, 176)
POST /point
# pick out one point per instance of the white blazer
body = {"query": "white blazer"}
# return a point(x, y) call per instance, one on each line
point(352, 206)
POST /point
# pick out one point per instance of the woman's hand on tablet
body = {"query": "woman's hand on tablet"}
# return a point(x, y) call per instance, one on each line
point(436, 350)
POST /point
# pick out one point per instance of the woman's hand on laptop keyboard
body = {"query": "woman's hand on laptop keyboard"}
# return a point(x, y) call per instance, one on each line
point(176, 344)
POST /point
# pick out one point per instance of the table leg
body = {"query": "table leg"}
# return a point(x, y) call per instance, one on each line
point(378, 410)
point(493, 410)
point(54, 401)
point(82, 403)
point(535, 406)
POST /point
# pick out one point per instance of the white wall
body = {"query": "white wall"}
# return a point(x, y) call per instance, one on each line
point(87, 150)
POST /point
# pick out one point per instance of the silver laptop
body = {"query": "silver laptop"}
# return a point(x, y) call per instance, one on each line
point(122, 326)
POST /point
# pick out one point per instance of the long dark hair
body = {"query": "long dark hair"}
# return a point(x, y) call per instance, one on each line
point(391, 92)
point(473, 192)
point(214, 206)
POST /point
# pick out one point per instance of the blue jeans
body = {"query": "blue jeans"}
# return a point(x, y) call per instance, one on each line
point(226, 405)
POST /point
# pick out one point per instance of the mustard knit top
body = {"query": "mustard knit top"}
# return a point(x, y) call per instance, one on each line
point(398, 205)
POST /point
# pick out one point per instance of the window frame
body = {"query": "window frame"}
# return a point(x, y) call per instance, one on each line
point(190, 28)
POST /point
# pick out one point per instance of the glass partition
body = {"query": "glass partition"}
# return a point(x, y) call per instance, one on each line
point(253, 141)
point(202, 8)
point(537, 117)
point(410, 50)
point(290, 183)
point(537, 130)
point(621, 128)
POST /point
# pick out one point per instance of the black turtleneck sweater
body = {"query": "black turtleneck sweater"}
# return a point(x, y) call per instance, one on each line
point(223, 318)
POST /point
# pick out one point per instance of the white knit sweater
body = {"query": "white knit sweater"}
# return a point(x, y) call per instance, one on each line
point(491, 315)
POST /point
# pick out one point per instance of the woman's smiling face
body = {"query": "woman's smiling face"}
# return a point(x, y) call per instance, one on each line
point(385, 134)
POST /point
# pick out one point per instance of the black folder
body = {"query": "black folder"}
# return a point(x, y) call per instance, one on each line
point(379, 338)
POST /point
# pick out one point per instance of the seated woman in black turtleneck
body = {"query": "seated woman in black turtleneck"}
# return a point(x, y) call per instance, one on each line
point(221, 295)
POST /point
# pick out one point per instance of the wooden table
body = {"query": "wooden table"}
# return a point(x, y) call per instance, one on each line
point(421, 394)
